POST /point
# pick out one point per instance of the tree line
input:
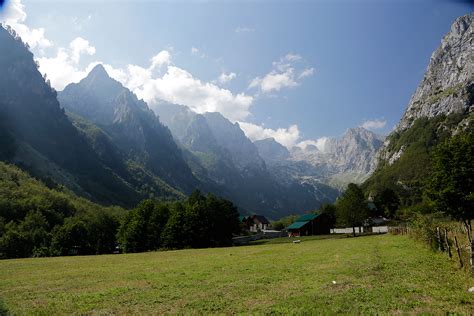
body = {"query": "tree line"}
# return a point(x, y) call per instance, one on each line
point(38, 221)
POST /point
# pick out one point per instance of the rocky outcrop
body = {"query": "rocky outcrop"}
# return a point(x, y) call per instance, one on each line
point(354, 152)
point(448, 84)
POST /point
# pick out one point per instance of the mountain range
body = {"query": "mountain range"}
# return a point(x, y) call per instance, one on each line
point(99, 140)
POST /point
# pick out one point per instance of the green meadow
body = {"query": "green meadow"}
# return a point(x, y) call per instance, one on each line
point(382, 274)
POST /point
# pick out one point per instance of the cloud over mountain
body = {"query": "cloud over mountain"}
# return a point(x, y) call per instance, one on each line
point(15, 16)
point(374, 124)
point(285, 136)
point(285, 73)
point(64, 68)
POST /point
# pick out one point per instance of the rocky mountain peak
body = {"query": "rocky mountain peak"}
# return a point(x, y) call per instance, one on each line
point(102, 99)
point(270, 150)
point(98, 72)
point(448, 84)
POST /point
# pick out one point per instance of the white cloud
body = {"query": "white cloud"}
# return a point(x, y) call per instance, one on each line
point(320, 143)
point(275, 81)
point(14, 15)
point(226, 77)
point(374, 124)
point(80, 46)
point(160, 59)
point(307, 72)
point(292, 57)
point(285, 136)
point(179, 86)
point(288, 137)
point(283, 75)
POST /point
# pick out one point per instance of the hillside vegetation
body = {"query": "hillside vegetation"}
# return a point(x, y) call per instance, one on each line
point(373, 275)
point(407, 175)
point(37, 220)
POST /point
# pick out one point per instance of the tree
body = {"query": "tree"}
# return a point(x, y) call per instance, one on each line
point(71, 238)
point(173, 235)
point(102, 229)
point(330, 211)
point(387, 201)
point(284, 222)
point(28, 238)
point(451, 187)
point(13, 243)
point(351, 208)
point(132, 234)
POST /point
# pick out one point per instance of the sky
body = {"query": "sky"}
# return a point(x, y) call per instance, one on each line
point(298, 71)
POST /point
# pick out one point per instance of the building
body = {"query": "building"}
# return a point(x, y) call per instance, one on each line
point(309, 224)
point(258, 223)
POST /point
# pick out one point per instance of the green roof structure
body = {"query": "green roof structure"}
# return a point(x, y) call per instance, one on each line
point(306, 217)
point(297, 225)
point(302, 220)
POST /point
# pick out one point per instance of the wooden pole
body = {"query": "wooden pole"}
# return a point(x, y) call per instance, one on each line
point(468, 230)
point(438, 235)
point(472, 256)
point(459, 251)
point(446, 241)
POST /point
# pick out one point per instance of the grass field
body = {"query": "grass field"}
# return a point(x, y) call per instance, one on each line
point(373, 274)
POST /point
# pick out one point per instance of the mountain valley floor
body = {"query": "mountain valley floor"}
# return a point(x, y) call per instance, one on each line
point(369, 274)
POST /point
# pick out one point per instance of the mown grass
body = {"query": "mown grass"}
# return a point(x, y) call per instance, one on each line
point(373, 274)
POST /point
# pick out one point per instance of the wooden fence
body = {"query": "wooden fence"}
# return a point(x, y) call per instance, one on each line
point(457, 244)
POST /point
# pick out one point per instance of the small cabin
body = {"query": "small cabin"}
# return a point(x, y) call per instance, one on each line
point(309, 224)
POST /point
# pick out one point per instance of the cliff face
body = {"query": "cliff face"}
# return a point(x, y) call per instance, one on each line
point(448, 85)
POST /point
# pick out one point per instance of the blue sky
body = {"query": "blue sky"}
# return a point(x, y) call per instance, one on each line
point(295, 70)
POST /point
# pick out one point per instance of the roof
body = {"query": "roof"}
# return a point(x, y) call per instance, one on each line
point(306, 217)
point(297, 225)
point(261, 219)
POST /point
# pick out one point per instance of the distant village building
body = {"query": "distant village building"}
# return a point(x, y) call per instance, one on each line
point(255, 223)
point(309, 224)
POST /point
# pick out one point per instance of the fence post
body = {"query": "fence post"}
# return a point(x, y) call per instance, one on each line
point(459, 251)
point(472, 256)
point(438, 235)
point(446, 240)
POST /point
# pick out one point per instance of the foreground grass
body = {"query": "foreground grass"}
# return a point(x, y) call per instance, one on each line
point(373, 274)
